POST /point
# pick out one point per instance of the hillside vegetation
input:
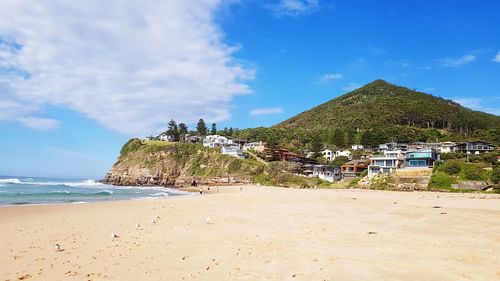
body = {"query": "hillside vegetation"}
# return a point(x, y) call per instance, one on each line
point(380, 112)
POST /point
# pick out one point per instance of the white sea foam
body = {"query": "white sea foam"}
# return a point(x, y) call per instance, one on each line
point(13, 180)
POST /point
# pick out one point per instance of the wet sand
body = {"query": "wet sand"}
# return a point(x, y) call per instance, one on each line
point(258, 233)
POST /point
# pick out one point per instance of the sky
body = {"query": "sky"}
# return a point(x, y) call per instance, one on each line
point(80, 78)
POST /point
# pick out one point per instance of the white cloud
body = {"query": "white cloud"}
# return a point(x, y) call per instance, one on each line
point(330, 77)
point(266, 111)
point(456, 62)
point(43, 124)
point(294, 7)
point(497, 57)
point(478, 104)
point(129, 65)
point(351, 87)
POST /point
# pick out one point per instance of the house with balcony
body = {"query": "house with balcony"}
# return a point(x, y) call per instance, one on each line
point(344, 152)
point(326, 172)
point(328, 154)
point(388, 163)
point(216, 141)
point(473, 147)
point(421, 158)
point(447, 147)
point(353, 168)
point(255, 146)
point(233, 150)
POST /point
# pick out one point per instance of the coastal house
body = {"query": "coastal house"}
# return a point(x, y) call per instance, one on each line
point(326, 172)
point(279, 154)
point(328, 154)
point(474, 147)
point(255, 146)
point(216, 141)
point(193, 139)
point(447, 147)
point(165, 137)
point(233, 150)
point(421, 158)
point(344, 152)
point(357, 147)
point(390, 161)
point(354, 168)
point(424, 145)
point(391, 146)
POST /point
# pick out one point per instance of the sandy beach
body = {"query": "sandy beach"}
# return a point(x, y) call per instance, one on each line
point(258, 233)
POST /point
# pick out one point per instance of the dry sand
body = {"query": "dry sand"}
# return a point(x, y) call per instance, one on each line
point(259, 233)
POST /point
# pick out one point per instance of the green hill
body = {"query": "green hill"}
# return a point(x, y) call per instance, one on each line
point(380, 104)
point(380, 112)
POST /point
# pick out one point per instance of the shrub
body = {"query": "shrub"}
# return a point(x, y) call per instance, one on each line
point(495, 175)
point(441, 180)
point(131, 146)
point(471, 172)
point(451, 168)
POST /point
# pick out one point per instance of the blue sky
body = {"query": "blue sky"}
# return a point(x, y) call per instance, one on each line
point(79, 79)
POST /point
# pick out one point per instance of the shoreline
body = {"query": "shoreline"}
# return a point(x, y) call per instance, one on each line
point(258, 233)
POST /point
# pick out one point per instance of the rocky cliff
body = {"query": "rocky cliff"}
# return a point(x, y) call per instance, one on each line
point(176, 164)
point(158, 163)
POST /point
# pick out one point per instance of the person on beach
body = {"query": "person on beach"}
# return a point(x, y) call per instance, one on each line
point(201, 191)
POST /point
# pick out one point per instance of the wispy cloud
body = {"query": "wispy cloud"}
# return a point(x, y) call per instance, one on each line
point(293, 7)
point(456, 62)
point(129, 65)
point(266, 111)
point(351, 87)
point(478, 104)
point(497, 57)
point(330, 77)
point(37, 123)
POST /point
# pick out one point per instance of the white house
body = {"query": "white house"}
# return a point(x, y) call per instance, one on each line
point(216, 141)
point(166, 138)
point(344, 152)
point(447, 146)
point(328, 154)
point(392, 160)
point(233, 150)
point(357, 147)
point(326, 172)
point(256, 146)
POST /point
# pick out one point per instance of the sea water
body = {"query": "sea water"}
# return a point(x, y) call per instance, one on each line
point(25, 190)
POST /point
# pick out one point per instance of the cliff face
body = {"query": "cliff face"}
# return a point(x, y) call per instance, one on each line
point(176, 164)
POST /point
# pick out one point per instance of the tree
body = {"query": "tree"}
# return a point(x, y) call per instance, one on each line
point(172, 130)
point(214, 129)
point(339, 138)
point(340, 160)
point(183, 130)
point(230, 131)
point(201, 127)
point(226, 131)
point(316, 146)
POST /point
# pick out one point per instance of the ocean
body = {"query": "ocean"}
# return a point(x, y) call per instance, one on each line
point(26, 190)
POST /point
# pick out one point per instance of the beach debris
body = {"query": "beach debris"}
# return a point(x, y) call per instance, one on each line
point(444, 213)
point(354, 198)
point(58, 248)
point(153, 221)
point(137, 225)
point(153, 207)
point(437, 207)
point(157, 217)
point(372, 232)
point(394, 202)
point(114, 235)
point(208, 221)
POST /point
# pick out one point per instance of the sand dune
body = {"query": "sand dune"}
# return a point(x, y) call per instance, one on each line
point(259, 233)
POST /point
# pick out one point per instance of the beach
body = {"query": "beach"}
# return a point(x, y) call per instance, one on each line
point(258, 233)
